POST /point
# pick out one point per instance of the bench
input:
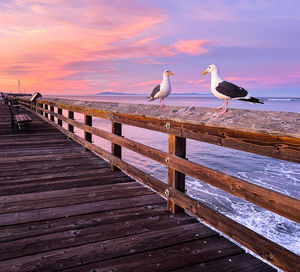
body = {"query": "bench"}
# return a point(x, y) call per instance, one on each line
point(18, 120)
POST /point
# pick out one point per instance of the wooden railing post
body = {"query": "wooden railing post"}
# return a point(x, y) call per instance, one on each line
point(59, 121)
point(41, 106)
point(116, 128)
point(46, 113)
point(71, 116)
point(87, 135)
point(52, 116)
point(176, 179)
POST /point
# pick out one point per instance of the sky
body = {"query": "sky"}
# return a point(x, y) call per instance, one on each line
point(81, 47)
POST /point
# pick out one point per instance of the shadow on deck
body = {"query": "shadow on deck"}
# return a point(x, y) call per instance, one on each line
point(62, 208)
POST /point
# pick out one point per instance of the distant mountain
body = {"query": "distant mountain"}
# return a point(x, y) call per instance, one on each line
point(117, 93)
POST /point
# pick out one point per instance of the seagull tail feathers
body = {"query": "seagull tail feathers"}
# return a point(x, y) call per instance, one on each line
point(252, 100)
point(150, 98)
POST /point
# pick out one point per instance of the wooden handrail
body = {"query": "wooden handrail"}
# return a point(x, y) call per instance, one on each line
point(274, 201)
point(273, 134)
point(273, 141)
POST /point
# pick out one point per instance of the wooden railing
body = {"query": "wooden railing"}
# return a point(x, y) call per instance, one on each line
point(273, 134)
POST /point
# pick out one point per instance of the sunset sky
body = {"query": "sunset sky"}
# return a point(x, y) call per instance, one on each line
point(90, 46)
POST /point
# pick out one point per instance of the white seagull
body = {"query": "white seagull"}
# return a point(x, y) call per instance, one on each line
point(162, 90)
point(225, 90)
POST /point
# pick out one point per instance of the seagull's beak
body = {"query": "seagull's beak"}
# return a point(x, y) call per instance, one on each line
point(172, 74)
point(205, 72)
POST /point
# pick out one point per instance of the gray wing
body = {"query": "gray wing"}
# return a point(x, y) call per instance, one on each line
point(231, 90)
point(155, 91)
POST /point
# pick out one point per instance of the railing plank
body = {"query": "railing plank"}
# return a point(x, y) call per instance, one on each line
point(276, 202)
point(256, 138)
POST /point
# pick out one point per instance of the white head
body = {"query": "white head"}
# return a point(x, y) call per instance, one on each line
point(210, 69)
point(167, 73)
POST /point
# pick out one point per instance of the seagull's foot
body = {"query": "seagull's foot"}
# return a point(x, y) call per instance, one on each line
point(162, 106)
point(219, 108)
point(222, 112)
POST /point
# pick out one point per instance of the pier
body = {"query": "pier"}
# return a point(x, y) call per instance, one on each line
point(69, 205)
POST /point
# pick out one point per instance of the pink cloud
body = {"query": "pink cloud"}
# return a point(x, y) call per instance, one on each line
point(43, 39)
point(197, 81)
point(241, 78)
point(147, 40)
point(191, 47)
point(149, 61)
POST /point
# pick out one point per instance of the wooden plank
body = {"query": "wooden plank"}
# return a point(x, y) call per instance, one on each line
point(32, 229)
point(13, 199)
point(61, 183)
point(76, 237)
point(74, 256)
point(46, 175)
point(71, 210)
point(241, 262)
point(20, 118)
point(75, 199)
point(170, 258)
point(41, 157)
point(21, 166)
point(15, 174)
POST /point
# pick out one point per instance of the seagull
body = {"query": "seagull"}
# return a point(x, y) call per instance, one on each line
point(162, 90)
point(225, 90)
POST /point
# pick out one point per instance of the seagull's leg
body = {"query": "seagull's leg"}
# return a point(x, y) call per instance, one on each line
point(226, 105)
point(162, 103)
point(218, 108)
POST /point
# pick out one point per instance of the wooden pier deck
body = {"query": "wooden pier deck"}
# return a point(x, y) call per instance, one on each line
point(63, 209)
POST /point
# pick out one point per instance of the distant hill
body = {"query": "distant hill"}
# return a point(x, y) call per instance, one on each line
point(117, 93)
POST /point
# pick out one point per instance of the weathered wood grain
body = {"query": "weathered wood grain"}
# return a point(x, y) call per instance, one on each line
point(74, 256)
point(37, 228)
point(272, 252)
point(273, 134)
point(116, 150)
point(285, 205)
point(63, 215)
point(177, 147)
point(233, 263)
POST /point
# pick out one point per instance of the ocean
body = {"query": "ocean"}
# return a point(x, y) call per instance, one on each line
point(277, 175)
